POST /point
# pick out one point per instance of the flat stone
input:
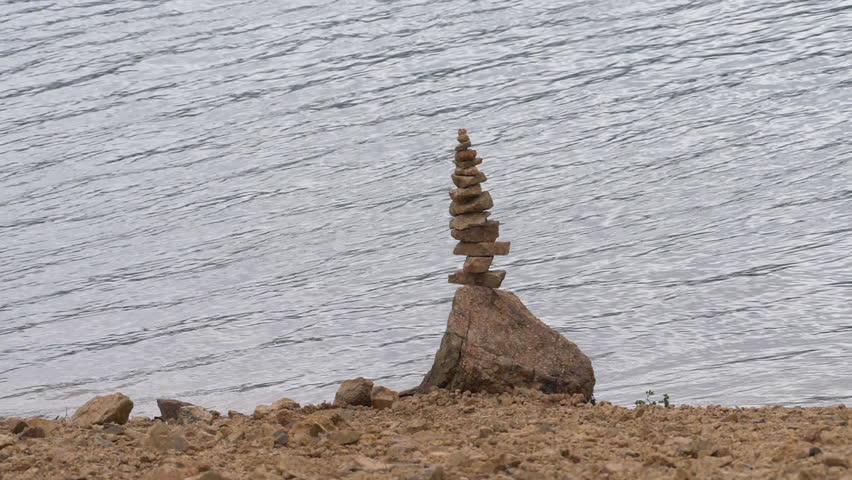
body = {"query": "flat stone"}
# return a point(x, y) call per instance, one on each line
point(482, 249)
point(113, 408)
point(469, 220)
point(465, 156)
point(462, 146)
point(486, 233)
point(491, 279)
point(463, 138)
point(477, 264)
point(473, 205)
point(466, 172)
point(465, 181)
point(468, 164)
point(463, 193)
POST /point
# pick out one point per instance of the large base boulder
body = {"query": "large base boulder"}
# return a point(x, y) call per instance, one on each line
point(493, 343)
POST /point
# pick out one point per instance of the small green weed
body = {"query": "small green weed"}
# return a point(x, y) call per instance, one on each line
point(649, 401)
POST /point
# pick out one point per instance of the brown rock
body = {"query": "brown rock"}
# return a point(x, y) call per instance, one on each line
point(14, 425)
point(486, 233)
point(354, 392)
point(473, 205)
point(462, 146)
point(483, 249)
point(190, 414)
point(463, 193)
point(169, 408)
point(467, 181)
point(383, 397)
point(113, 408)
point(276, 410)
point(469, 220)
point(469, 171)
point(33, 432)
point(469, 163)
point(161, 439)
point(477, 264)
point(463, 138)
point(491, 279)
point(345, 437)
point(494, 343)
point(466, 155)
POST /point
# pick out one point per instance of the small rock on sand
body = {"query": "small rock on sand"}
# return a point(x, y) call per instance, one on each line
point(190, 414)
point(169, 408)
point(354, 392)
point(265, 411)
point(383, 397)
point(113, 408)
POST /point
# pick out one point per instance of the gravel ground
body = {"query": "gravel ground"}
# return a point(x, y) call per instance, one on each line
point(445, 435)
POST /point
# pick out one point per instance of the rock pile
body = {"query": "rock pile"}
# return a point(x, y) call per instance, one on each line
point(470, 225)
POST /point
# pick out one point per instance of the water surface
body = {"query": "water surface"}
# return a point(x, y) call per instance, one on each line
point(233, 202)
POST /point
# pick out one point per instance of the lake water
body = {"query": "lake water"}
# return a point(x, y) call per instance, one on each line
point(232, 202)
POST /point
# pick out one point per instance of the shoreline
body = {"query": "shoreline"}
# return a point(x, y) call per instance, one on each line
point(522, 434)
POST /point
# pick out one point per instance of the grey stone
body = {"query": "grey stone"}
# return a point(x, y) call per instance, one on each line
point(477, 264)
point(460, 194)
point(482, 249)
point(472, 205)
point(464, 181)
point(485, 233)
point(491, 279)
point(469, 220)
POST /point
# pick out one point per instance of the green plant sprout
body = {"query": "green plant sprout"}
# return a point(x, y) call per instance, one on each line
point(649, 401)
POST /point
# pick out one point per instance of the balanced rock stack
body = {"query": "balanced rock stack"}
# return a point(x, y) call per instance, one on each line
point(470, 225)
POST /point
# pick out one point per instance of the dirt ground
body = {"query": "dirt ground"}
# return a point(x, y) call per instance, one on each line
point(445, 435)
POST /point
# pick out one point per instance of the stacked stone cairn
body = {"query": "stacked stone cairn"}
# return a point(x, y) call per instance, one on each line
point(470, 225)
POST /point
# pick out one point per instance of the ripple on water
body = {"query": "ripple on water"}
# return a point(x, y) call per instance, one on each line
point(234, 202)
